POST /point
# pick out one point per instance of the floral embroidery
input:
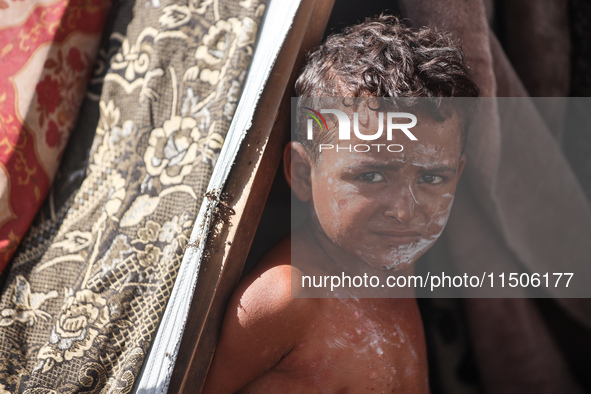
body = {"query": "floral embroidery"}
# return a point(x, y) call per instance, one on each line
point(169, 230)
point(150, 232)
point(172, 149)
point(26, 304)
point(149, 256)
point(134, 59)
point(84, 314)
point(74, 241)
point(143, 206)
point(212, 149)
point(216, 42)
point(175, 16)
point(116, 195)
point(109, 117)
point(221, 40)
point(113, 134)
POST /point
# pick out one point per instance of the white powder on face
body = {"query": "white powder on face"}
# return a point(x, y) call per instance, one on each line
point(412, 194)
point(404, 255)
point(335, 209)
point(431, 164)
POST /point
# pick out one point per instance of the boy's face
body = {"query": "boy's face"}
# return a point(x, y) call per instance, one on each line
point(388, 208)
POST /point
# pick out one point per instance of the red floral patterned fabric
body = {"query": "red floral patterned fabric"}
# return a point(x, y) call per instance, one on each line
point(47, 50)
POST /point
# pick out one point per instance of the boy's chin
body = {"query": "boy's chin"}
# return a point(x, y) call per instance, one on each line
point(397, 259)
point(390, 266)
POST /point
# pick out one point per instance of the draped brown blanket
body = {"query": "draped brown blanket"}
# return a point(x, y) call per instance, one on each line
point(495, 220)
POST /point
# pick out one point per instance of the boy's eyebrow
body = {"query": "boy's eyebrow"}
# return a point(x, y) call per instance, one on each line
point(379, 166)
point(374, 166)
point(439, 169)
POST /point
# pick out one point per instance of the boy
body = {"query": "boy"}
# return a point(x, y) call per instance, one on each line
point(371, 213)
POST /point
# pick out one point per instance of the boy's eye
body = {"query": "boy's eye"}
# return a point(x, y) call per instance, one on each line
point(431, 179)
point(371, 177)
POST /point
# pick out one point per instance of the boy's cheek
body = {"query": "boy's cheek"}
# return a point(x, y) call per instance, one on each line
point(340, 216)
point(438, 218)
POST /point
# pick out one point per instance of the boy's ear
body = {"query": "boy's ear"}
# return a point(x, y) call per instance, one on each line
point(462, 164)
point(297, 167)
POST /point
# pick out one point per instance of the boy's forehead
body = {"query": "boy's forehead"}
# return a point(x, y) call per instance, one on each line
point(368, 120)
point(436, 141)
point(421, 157)
point(426, 123)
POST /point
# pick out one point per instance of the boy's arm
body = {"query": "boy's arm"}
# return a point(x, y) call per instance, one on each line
point(261, 325)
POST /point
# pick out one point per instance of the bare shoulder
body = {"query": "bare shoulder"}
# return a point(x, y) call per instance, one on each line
point(262, 324)
point(266, 292)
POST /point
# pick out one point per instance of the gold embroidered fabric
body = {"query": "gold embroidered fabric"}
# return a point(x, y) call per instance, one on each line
point(87, 287)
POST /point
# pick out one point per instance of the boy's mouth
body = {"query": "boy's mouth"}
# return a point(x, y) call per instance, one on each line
point(402, 237)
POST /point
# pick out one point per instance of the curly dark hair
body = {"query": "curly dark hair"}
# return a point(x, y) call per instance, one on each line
point(381, 57)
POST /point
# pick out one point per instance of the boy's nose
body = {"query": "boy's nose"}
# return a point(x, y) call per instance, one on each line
point(400, 205)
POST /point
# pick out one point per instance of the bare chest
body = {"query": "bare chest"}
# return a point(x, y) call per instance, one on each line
point(353, 347)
